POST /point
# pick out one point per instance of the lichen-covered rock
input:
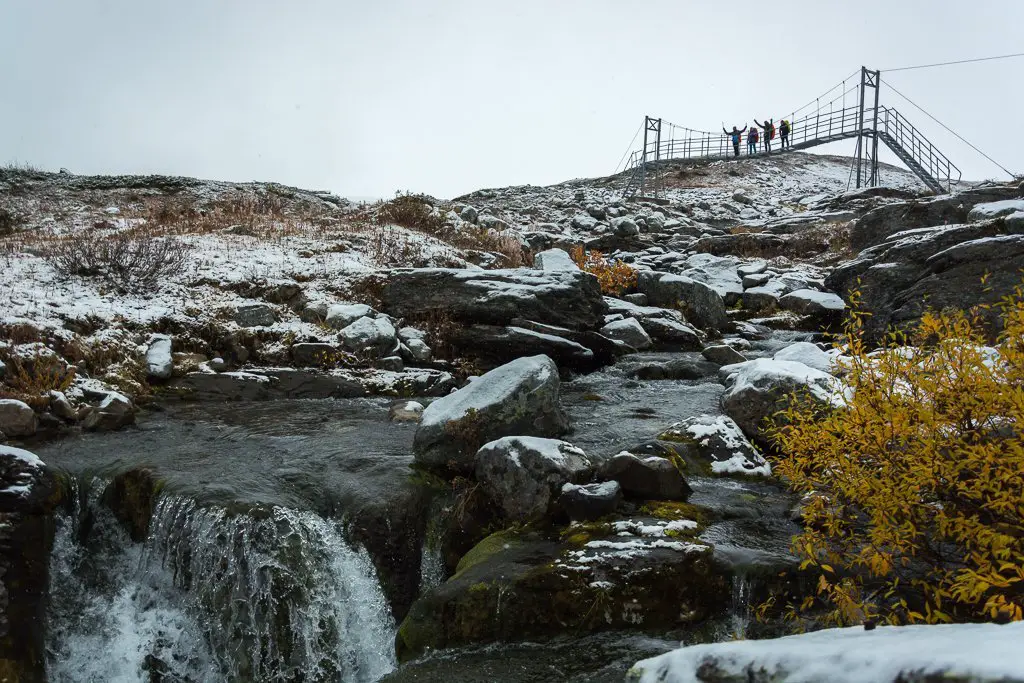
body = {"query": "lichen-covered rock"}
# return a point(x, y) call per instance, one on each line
point(521, 586)
point(518, 398)
point(716, 442)
point(524, 474)
point(17, 418)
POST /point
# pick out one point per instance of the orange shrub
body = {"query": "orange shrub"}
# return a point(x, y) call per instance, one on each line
point(914, 491)
point(615, 277)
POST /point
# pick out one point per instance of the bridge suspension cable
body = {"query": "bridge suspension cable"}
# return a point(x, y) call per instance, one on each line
point(629, 149)
point(960, 61)
point(950, 130)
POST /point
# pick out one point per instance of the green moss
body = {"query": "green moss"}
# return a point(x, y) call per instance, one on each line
point(592, 397)
point(479, 587)
point(423, 477)
point(673, 510)
point(487, 548)
point(580, 534)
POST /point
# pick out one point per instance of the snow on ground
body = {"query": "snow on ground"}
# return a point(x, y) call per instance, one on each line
point(971, 652)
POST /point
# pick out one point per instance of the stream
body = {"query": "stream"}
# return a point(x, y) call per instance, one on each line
point(255, 565)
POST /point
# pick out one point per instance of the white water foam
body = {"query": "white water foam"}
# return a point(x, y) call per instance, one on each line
point(266, 595)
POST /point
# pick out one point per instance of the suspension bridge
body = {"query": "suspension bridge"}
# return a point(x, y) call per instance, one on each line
point(816, 123)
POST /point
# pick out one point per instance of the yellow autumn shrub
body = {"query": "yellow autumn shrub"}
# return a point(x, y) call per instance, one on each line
point(914, 492)
point(615, 277)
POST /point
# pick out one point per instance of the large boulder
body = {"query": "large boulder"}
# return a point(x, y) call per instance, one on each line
point(758, 389)
point(375, 336)
point(715, 443)
point(255, 315)
point(570, 299)
point(525, 474)
point(17, 418)
point(516, 586)
point(809, 354)
point(518, 398)
point(650, 477)
point(720, 272)
point(672, 333)
point(701, 303)
point(938, 268)
point(628, 331)
point(824, 306)
point(493, 345)
point(878, 225)
point(587, 502)
point(114, 412)
point(340, 316)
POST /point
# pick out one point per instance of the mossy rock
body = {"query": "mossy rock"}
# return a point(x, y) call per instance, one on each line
point(521, 585)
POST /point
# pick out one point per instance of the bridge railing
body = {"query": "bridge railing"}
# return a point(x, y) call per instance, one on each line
point(807, 131)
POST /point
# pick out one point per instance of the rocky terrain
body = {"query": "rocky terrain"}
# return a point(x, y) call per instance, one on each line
point(513, 448)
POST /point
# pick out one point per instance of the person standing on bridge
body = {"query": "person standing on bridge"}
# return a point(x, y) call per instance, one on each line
point(784, 133)
point(752, 140)
point(736, 134)
point(769, 133)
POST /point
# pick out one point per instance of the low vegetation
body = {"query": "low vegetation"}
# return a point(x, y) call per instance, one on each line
point(615, 277)
point(127, 263)
point(914, 492)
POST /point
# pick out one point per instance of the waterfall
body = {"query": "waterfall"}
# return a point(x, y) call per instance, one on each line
point(739, 613)
point(262, 594)
point(432, 569)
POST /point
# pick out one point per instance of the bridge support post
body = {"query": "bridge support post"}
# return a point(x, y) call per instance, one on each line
point(652, 152)
point(868, 80)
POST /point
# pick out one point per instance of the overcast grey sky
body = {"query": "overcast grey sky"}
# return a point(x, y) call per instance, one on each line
point(447, 96)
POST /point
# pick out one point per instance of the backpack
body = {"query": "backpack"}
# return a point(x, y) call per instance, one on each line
point(754, 136)
point(771, 130)
point(784, 125)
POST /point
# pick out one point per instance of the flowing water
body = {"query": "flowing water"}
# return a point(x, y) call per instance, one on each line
point(248, 574)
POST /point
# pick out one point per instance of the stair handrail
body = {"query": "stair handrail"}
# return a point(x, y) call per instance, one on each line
point(904, 134)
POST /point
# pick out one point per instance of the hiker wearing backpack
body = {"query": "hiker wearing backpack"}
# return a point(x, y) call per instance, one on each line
point(752, 138)
point(784, 133)
point(769, 133)
point(736, 134)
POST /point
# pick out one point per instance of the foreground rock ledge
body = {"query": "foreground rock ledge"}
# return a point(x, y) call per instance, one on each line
point(960, 653)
